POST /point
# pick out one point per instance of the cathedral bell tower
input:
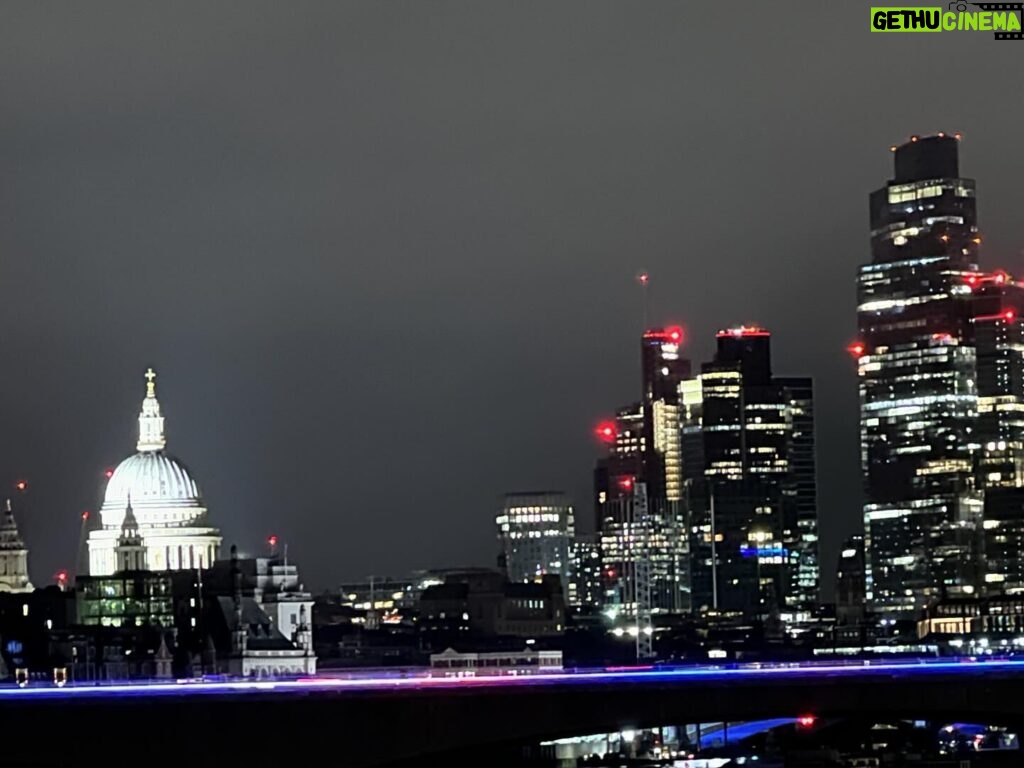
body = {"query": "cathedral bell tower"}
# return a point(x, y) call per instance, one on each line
point(13, 555)
point(130, 551)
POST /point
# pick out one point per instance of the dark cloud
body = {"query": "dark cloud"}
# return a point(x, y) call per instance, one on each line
point(382, 253)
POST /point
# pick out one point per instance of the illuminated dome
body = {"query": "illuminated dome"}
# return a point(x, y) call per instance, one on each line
point(165, 499)
point(150, 478)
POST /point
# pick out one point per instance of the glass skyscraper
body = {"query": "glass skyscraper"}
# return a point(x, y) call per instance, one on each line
point(917, 365)
point(749, 461)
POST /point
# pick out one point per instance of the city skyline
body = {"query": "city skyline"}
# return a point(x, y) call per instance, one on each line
point(338, 285)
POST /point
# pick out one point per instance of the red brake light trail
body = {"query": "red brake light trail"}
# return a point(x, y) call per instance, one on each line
point(806, 721)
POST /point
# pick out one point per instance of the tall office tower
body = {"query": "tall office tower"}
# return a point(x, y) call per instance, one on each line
point(749, 459)
point(536, 531)
point(996, 306)
point(663, 368)
point(918, 391)
point(644, 459)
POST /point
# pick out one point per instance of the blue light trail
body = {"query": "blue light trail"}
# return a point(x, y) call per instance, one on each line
point(423, 680)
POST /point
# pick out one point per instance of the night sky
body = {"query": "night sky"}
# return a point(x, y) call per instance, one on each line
point(382, 255)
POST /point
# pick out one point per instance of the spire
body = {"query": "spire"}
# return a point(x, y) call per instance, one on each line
point(13, 554)
point(129, 526)
point(151, 423)
point(9, 536)
point(130, 550)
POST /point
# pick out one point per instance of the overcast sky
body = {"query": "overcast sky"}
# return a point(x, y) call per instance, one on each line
point(382, 253)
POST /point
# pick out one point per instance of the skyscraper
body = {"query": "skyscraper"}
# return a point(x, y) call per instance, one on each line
point(536, 532)
point(996, 306)
point(918, 390)
point(749, 460)
point(638, 487)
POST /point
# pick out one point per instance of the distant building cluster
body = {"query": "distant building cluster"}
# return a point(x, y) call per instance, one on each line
point(700, 540)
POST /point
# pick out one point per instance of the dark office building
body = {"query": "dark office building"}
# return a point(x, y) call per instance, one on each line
point(918, 392)
point(850, 608)
point(749, 462)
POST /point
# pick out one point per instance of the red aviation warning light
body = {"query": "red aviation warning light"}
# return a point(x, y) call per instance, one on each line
point(1009, 314)
point(626, 483)
point(857, 348)
point(606, 431)
point(60, 578)
point(109, 473)
point(643, 278)
point(85, 516)
point(673, 334)
point(21, 485)
point(272, 540)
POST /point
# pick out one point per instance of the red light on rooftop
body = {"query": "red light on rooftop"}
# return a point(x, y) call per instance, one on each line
point(856, 349)
point(742, 331)
point(61, 577)
point(626, 483)
point(272, 540)
point(85, 516)
point(914, 138)
point(109, 473)
point(606, 431)
point(958, 135)
point(643, 278)
point(21, 485)
point(673, 334)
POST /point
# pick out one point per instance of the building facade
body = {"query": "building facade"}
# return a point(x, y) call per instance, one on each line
point(917, 365)
point(536, 532)
point(749, 462)
point(639, 485)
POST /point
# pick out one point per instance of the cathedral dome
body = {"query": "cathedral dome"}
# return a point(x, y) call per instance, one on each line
point(151, 478)
point(160, 488)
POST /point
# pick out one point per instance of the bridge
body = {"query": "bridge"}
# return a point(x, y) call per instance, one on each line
point(387, 719)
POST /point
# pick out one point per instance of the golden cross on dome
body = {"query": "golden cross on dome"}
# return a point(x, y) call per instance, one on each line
point(150, 385)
